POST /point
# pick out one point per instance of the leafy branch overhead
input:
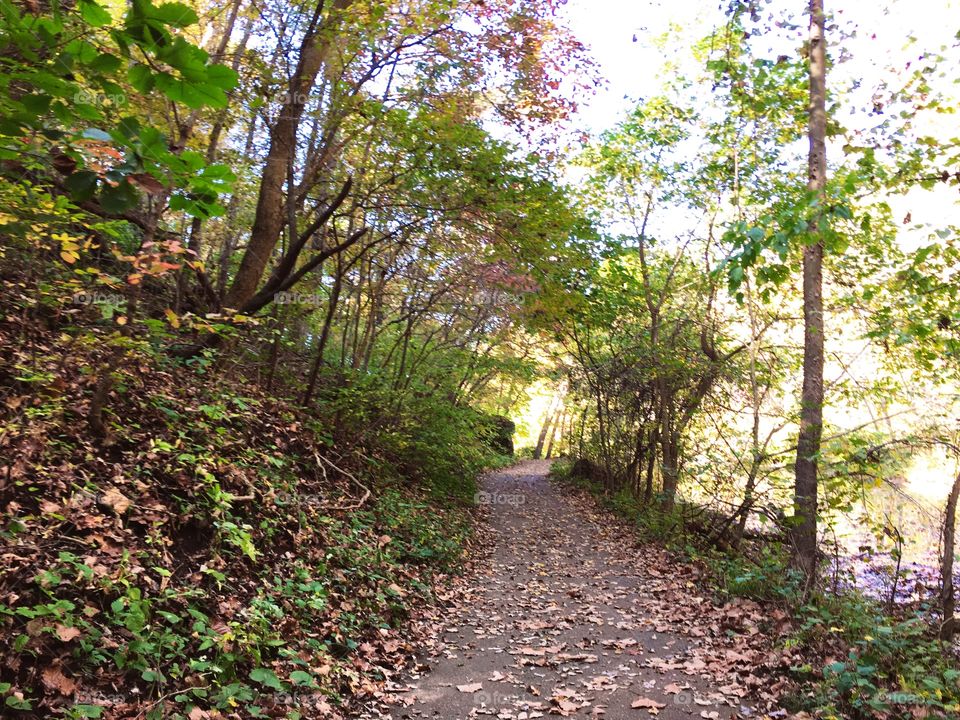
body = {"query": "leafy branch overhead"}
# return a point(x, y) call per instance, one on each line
point(75, 79)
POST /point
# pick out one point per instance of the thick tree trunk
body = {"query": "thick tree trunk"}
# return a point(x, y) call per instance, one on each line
point(947, 599)
point(270, 214)
point(804, 532)
point(581, 447)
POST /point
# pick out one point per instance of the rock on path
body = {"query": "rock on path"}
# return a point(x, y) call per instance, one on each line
point(570, 616)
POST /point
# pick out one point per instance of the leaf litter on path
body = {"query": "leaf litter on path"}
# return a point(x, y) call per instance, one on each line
point(568, 615)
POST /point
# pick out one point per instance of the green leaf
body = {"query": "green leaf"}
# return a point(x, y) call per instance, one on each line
point(141, 77)
point(88, 711)
point(193, 95)
point(736, 276)
point(188, 59)
point(174, 14)
point(36, 104)
point(93, 14)
point(266, 677)
point(116, 199)
point(17, 704)
point(219, 172)
point(299, 677)
point(222, 77)
point(81, 185)
point(105, 63)
point(86, 111)
point(82, 50)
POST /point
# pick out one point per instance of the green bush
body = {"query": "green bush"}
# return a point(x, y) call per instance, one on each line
point(892, 666)
point(765, 575)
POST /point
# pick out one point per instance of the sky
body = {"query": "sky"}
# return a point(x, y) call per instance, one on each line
point(622, 37)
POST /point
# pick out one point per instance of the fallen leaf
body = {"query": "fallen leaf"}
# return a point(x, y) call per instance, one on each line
point(116, 501)
point(645, 702)
point(67, 633)
point(56, 680)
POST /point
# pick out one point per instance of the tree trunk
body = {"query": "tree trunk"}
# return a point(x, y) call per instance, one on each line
point(635, 471)
point(324, 334)
point(581, 447)
point(271, 205)
point(669, 467)
point(547, 422)
point(947, 599)
point(553, 434)
point(275, 346)
point(804, 532)
point(651, 466)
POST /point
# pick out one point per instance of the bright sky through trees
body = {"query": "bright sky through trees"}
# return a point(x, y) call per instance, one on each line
point(635, 43)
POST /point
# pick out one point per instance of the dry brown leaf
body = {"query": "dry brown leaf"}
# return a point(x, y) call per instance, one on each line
point(645, 702)
point(67, 633)
point(116, 501)
point(563, 707)
point(53, 679)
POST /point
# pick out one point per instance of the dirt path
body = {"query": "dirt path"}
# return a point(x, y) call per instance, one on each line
point(573, 617)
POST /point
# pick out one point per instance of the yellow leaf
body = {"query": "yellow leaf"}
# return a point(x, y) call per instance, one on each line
point(172, 318)
point(69, 257)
